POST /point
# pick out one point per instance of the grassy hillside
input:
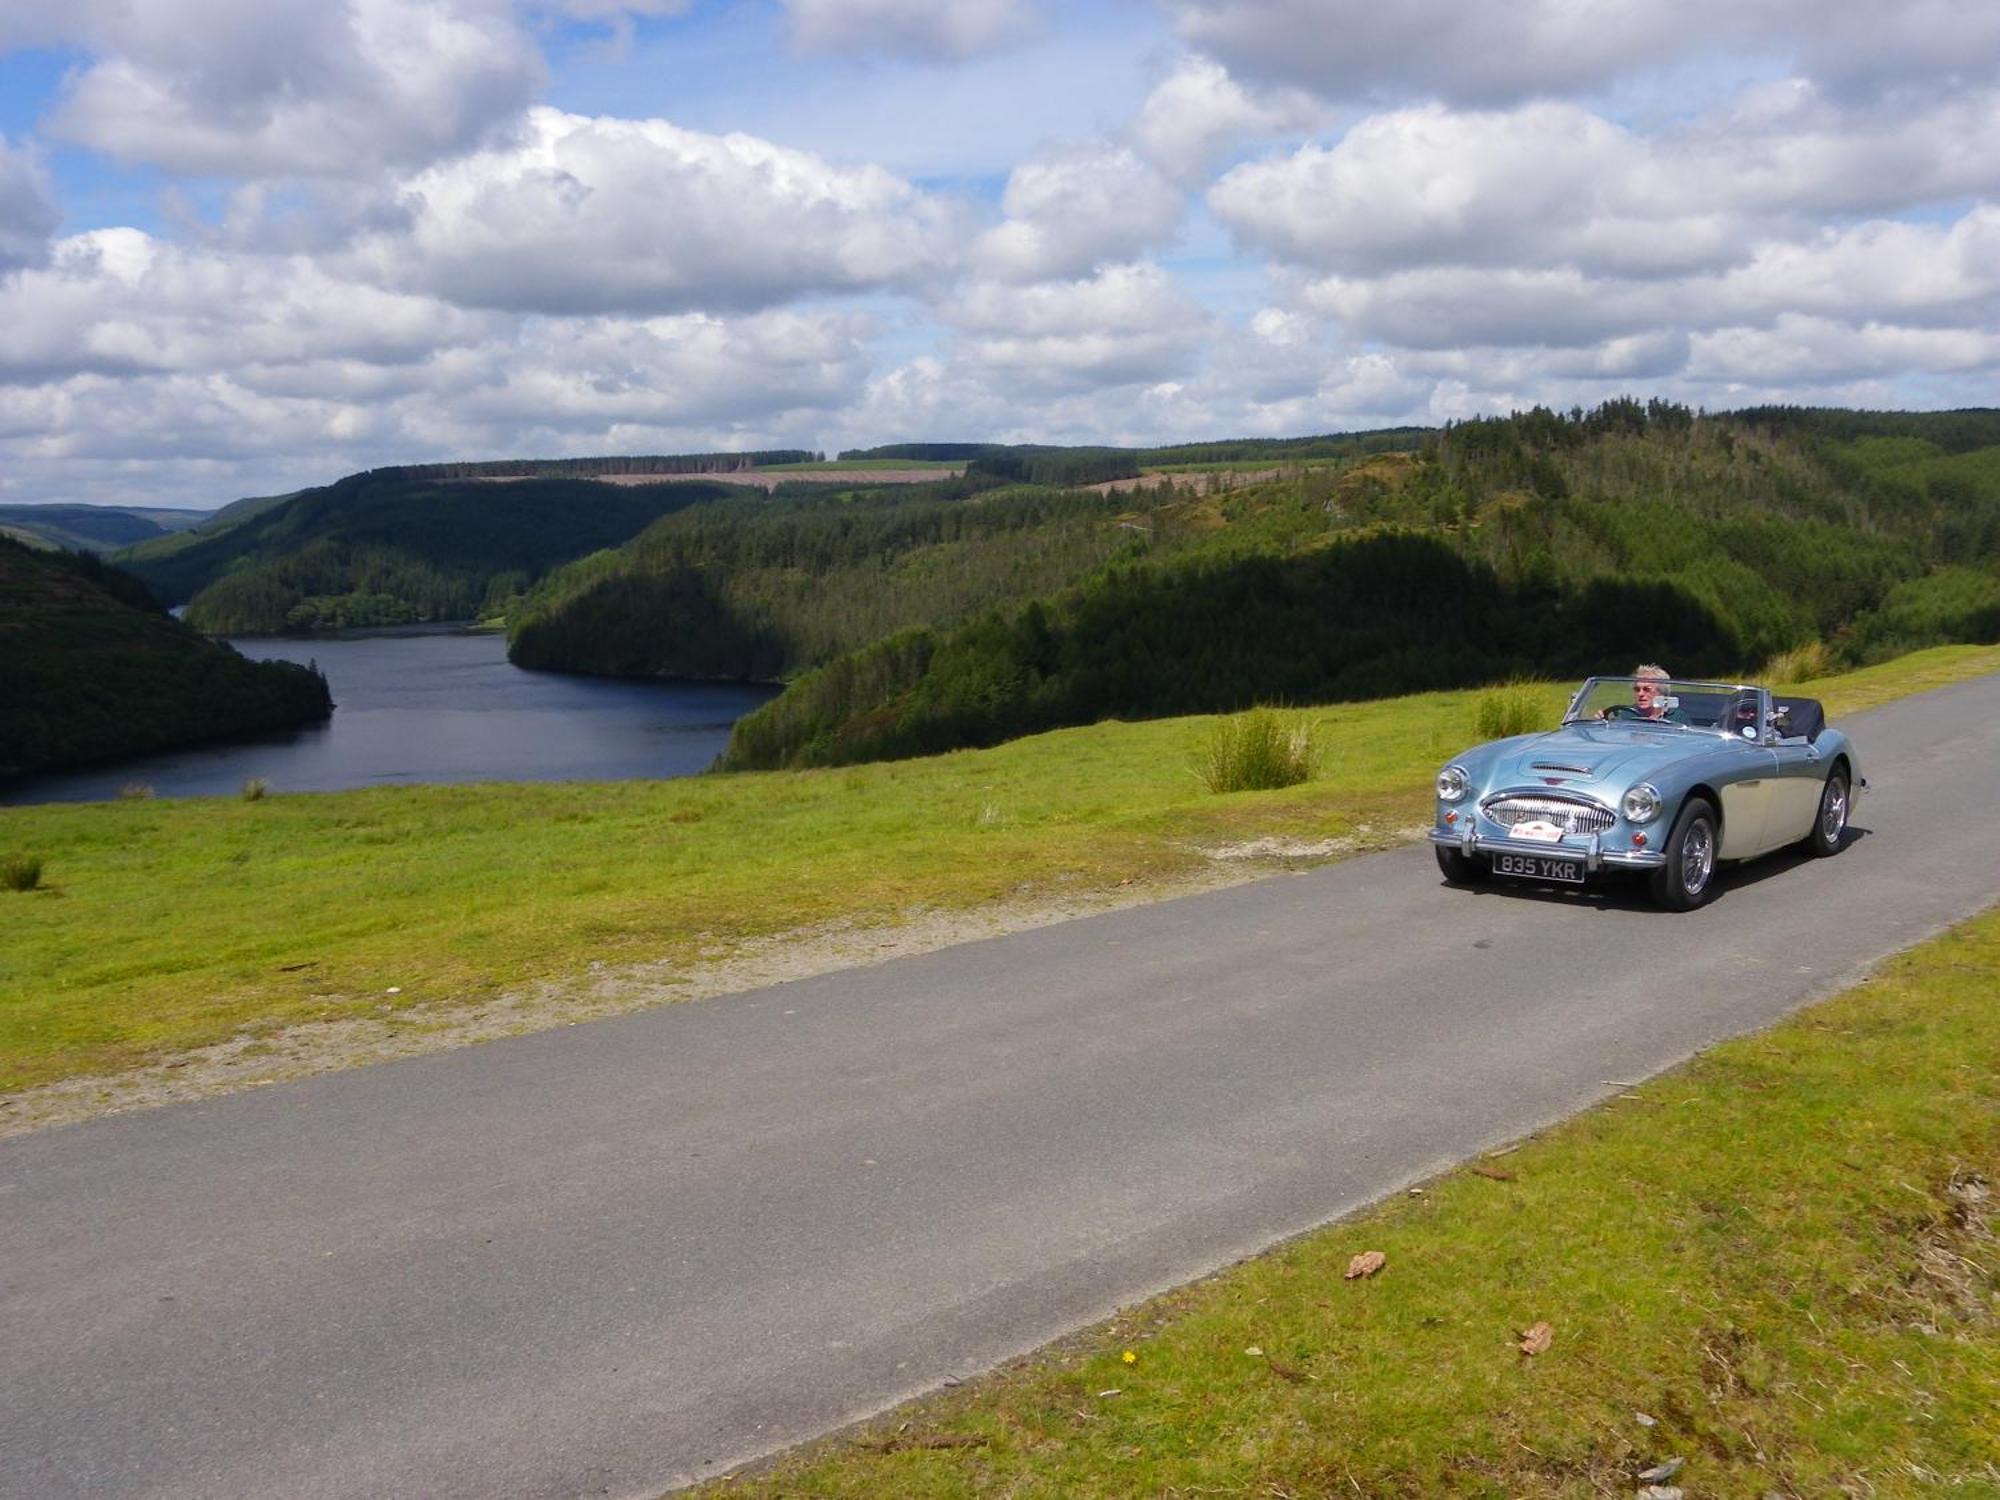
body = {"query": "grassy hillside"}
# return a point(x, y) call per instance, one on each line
point(1530, 544)
point(390, 548)
point(170, 924)
point(91, 671)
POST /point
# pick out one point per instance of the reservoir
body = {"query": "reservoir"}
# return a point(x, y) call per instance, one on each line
point(437, 705)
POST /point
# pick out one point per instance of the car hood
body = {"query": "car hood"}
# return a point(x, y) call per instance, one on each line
point(1588, 757)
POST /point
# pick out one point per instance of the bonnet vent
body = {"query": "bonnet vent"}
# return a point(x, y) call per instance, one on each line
point(1556, 765)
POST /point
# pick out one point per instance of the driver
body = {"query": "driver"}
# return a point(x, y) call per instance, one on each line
point(1649, 698)
point(1649, 691)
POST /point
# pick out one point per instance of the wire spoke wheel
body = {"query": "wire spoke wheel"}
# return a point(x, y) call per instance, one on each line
point(1697, 857)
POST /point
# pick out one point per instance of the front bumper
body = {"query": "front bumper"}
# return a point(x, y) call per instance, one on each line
point(1469, 840)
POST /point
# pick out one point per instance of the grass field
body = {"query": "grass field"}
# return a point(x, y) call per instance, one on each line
point(1776, 1264)
point(162, 925)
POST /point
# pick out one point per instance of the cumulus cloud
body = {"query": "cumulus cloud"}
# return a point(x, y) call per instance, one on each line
point(1553, 185)
point(240, 88)
point(1072, 210)
point(584, 215)
point(119, 301)
point(1198, 114)
point(217, 373)
point(1125, 324)
point(28, 214)
point(926, 30)
point(1500, 54)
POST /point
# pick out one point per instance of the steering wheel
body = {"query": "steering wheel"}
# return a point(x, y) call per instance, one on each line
point(1619, 711)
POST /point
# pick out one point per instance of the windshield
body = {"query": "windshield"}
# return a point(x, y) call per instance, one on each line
point(1708, 707)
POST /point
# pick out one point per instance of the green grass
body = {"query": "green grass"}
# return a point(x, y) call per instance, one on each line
point(164, 924)
point(1782, 1253)
point(1258, 751)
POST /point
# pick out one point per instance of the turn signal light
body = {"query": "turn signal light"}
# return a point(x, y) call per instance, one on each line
point(1638, 841)
point(1451, 817)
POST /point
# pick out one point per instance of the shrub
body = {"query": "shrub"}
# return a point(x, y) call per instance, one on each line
point(20, 872)
point(1800, 664)
point(1509, 710)
point(255, 788)
point(135, 791)
point(1257, 751)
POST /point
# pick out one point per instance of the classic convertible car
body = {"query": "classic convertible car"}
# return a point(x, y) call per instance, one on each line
point(1650, 774)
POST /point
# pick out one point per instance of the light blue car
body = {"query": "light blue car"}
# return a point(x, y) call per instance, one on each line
point(1654, 774)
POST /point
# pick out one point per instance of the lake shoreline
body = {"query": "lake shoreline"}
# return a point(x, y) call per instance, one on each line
point(432, 704)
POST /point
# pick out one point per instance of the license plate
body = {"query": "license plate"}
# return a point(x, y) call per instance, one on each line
point(1539, 867)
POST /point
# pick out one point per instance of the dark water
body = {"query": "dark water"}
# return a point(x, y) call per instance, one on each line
point(438, 707)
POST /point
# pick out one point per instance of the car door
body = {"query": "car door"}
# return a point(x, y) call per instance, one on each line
point(1800, 784)
point(1746, 803)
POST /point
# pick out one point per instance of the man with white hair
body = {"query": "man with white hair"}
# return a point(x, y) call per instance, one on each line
point(1649, 691)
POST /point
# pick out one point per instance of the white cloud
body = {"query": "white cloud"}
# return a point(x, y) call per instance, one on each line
point(1486, 54)
point(200, 375)
point(1198, 114)
point(598, 215)
point(1553, 185)
point(1127, 323)
point(1073, 210)
point(1545, 184)
point(28, 213)
point(927, 30)
point(1798, 350)
point(121, 301)
point(283, 87)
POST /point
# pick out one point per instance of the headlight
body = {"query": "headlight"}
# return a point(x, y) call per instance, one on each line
point(1453, 784)
point(1641, 804)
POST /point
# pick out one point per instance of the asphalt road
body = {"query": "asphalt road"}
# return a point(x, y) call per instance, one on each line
point(615, 1257)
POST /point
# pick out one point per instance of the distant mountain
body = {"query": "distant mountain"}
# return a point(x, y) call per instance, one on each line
point(408, 545)
point(93, 528)
point(90, 670)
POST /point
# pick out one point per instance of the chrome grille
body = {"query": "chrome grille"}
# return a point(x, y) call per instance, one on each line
point(1569, 816)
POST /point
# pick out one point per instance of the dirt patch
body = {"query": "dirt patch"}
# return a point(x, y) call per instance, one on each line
point(760, 479)
point(1201, 484)
point(767, 480)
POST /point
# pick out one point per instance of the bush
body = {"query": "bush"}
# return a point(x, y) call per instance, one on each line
point(135, 791)
point(1800, 664)
point(1508, 711)
point(20, 872)
point(255, 788)
point(1256, 752)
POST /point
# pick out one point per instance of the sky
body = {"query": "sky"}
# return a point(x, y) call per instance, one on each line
point(252, 245)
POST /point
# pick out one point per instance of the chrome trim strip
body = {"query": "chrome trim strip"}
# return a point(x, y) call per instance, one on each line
point(1470, 841)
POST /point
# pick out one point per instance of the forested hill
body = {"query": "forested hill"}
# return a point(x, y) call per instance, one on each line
point(90, 670)
point(396, 546)
point(762, 588)
point(93, 528)
point(750, 587)
point(1539, 543)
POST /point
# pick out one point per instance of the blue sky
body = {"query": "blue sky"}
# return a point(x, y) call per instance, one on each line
point(251, 244)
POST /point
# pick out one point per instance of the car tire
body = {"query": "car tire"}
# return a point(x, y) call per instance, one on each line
point(1829, 830)
point(1687, 879)
point(1460, 868)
